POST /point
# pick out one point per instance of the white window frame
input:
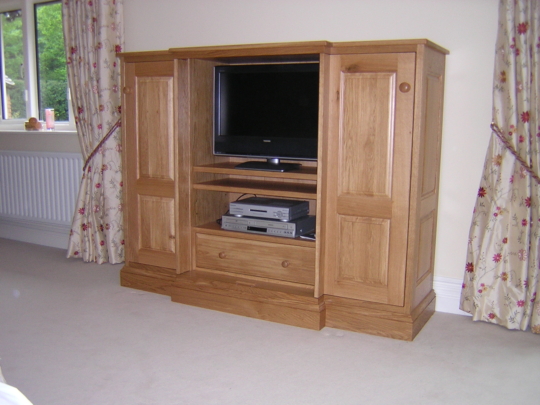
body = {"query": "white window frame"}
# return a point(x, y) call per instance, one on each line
point(30, 68)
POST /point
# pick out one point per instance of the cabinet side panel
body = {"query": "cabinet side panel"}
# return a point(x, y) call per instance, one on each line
point(326, 99)
point(426, 167)
point(184, 205)
point(129, 157)
point(430, 155)
point(427, 238)
point(432, 128)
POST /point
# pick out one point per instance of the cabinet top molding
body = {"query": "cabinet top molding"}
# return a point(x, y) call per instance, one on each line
point(308, 50)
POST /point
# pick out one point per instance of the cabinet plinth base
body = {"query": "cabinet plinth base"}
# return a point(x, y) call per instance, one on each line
point(147, 278)
point(277, 303)
point(348, 314)
point(286, 304)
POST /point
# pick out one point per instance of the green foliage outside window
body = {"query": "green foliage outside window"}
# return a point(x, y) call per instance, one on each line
point(52, 72)
point(13, 65)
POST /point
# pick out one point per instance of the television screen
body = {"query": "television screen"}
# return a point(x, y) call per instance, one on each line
point(267, 111)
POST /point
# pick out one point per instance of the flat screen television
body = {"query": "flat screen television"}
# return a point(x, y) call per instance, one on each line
point(267, 111)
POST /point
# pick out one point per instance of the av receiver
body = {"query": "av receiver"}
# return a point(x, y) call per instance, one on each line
point(274, 208)
point(274, 227)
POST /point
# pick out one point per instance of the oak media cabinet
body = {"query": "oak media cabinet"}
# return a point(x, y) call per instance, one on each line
point(373, 188)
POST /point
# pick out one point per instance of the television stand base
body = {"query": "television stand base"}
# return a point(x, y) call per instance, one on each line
point(268, 166)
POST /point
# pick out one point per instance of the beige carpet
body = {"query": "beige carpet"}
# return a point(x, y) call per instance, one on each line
point(70, 335)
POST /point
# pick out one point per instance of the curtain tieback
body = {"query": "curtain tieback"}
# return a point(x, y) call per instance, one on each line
point(116, 125)
point(495, 128)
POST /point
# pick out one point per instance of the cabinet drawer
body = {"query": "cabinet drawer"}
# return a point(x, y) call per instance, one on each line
point(272, 260)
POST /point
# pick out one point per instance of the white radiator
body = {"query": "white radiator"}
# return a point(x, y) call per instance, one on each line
point(38, 190)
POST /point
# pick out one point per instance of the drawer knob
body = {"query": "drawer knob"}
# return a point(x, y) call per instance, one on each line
point(285, 263)
point(404, 87)
point(222, 255)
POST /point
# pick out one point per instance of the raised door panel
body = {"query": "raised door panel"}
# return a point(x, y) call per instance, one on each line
point(366, 110)
point(363, 257)
point(426, 238)
point(154, 127)
point(430, 153)
point(157, 229)
point(368, 176)
point(150, 152)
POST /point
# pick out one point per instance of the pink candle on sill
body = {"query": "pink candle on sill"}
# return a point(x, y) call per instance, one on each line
point(49, 118)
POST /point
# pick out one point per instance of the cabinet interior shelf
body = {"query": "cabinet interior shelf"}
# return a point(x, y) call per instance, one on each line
point(277, 188)
point(214, 229)
point(304, 173)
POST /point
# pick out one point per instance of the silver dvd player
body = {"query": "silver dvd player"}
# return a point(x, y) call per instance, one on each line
point(275, 208)
point(273, 227)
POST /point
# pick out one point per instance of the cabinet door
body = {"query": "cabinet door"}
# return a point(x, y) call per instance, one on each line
point(367, 176)
point(149, 149)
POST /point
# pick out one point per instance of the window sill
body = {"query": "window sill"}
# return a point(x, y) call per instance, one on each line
point(17, 126)
point(40, 132)
point(40, 141)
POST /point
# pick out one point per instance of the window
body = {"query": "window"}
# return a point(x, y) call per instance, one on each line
point(13, 86)
point(51, 61)
point(34, 73)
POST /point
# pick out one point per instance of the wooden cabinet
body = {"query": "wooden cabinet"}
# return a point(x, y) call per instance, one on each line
point(374, 189)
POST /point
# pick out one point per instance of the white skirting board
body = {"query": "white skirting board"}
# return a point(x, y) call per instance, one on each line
point(38, 232)
point(448, 292)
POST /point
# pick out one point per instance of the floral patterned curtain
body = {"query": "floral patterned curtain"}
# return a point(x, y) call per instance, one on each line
point(93, 34)
point(503, 257)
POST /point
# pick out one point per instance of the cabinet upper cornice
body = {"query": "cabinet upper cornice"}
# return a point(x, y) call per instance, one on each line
point(297, 51)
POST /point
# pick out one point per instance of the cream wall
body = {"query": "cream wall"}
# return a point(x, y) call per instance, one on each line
point(465, 27)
